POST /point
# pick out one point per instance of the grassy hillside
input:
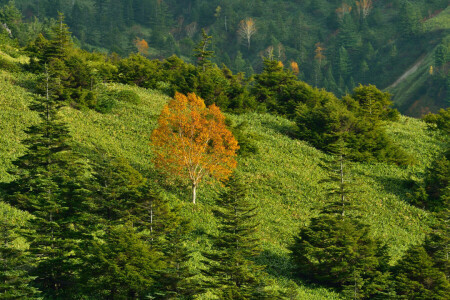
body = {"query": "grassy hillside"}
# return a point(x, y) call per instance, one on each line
point(416, 91)
point(283, 177)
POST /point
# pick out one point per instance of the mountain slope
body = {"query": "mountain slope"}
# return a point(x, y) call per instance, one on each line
point(283, 177)
point(419, 91)
point(375, 47)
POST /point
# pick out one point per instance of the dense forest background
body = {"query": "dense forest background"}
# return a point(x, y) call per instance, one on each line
point(127, 172)
point(335, 44)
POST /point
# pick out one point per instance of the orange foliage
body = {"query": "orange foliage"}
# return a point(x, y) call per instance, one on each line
point(364, 7)
point(319, 55)
point(294, 67)
point(247, 28)
point(280, 64)
point(192, 141)
point(141, 45)
point(343, 10)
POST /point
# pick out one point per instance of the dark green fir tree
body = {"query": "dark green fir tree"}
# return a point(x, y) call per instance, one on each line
point(201, 52)
point(336, 248)
point(437, 242)
point(169, 233)
point(15, 265)
point(416, 277)
point(230, 272)
point(49, 184)
point(120, 264)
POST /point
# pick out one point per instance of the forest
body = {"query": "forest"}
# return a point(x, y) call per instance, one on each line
point(205, 150)
point(336, 44)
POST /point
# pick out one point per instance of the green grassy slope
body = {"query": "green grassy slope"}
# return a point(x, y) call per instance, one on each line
point(416, 94)
point(283, 177)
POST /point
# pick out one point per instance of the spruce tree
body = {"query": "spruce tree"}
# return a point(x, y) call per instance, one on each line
point(15, 265)
point(49, 184)
point(120, 264)
point(339, 181)
point(336, 248)
point(123, 196)
point(230, 272)
point(167, 232)
point(60, 42)
point(415, 276)
point(437, 242)
point(202, 53)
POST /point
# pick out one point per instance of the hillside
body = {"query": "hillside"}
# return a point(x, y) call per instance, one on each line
point(283, 177)
point(337, 44)
point(419, 91)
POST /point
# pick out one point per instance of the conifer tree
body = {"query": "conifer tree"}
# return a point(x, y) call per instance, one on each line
point(168, 234)
point(202, 53)
point(336, 248)
point(60, 42)
point(230, 271)
point(120, 265)
point(415, 276)
point(123, 196)
point(270, 84)
point(437, 243)
point(15, 265)
point(50, 185)
point(339, 180)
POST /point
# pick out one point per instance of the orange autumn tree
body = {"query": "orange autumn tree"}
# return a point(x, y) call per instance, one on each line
point(142, 46)
point(192, 141)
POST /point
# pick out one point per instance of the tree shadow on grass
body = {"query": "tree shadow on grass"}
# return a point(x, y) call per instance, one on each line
point(399, 187)
point(285, 129)
point(277, 265)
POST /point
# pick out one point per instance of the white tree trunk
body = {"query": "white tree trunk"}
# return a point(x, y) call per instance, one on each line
point(194, 192)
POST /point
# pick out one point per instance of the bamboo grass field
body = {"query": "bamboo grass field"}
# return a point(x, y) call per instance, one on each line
point(284, 176)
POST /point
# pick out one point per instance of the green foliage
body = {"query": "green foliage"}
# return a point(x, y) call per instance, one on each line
point(270, 84)
point(441, 55)
point(246, 139)
point(415, 277)
point(410, 20)
point(202, 54)
point(15, 266)
point(336, 248)
point(49, 185)
point(105, 103)
point(230, 271)
point(138, 70)
point(339, 252)
point(128, 96)
point(373, 104)
point(434, 194)
point(438, 240)
point(120, 265)
point(283, 177)
point(323, 119)
point(8, 65)
point(441, 120)
point(296, 26)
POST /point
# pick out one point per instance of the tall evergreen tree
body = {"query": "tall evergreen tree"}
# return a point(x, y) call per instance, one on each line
point(202, 53)
point(415, 277)
point(120, 265)
point(230, 271)
point(336, 248)
point(437, 242)
point(15, 265)
point(60, 42)
point(49, 185)
point(168, 234)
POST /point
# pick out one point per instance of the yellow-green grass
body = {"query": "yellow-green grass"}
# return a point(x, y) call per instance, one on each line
point(439, 22)
point(283, 177)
